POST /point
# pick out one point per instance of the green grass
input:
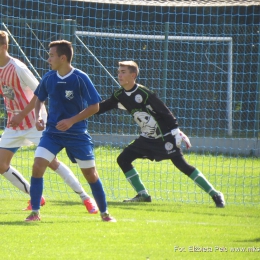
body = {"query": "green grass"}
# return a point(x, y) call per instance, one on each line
point(180, 218)
point(143, 231)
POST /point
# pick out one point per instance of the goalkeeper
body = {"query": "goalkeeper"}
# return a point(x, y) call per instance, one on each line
point(160, 136)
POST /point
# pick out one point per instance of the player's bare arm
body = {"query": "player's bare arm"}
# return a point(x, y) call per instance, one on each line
point(17, 119)
point(39, 123)
point(65, 124)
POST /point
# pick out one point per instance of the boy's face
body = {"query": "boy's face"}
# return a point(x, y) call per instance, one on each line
point(54, 60)
point(3, 49)
point(125, 77)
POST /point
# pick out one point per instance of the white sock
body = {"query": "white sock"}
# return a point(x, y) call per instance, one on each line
point(68, 176)
point(17, 179)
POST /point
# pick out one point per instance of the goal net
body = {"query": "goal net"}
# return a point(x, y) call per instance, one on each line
point(201, 57)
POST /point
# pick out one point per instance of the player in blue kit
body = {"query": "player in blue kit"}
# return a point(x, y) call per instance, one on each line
point(17, 86)
point(72, 99)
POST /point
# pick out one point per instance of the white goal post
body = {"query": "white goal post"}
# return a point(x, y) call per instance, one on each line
point(181, 38)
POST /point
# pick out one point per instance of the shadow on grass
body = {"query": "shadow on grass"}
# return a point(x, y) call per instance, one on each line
point(19, 223)
point(155, 206)
point(206, 210)
point(37, 223)
point(196, 209)
point(47, 220)
point(141, 206)
point(249, 240)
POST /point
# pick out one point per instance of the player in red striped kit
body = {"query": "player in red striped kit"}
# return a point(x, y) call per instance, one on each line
point(17, 85)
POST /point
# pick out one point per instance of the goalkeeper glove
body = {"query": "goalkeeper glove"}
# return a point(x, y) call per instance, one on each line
point(179, 137)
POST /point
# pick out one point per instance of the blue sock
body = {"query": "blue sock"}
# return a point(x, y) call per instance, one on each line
point(36, 192)
point(99, 195)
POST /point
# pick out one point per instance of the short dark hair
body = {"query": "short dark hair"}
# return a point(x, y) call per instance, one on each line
point(63, 48)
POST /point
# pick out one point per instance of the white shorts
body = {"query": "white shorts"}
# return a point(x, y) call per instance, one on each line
point(16, 138)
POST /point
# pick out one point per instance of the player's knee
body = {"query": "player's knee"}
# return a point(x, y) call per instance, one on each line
point(188, 170)
point(90, 174)
point(124, 163)
point(183, 166)
point(4, 167)
point(121, 160)
point(54, 164)
point(39, 167)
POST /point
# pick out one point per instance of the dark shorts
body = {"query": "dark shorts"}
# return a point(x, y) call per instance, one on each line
point(155, 149)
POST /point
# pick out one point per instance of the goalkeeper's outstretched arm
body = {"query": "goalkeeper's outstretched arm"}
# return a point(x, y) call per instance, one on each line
point(106, 105)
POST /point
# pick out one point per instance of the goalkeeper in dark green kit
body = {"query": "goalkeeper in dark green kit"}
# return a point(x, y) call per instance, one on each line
point(160, 137)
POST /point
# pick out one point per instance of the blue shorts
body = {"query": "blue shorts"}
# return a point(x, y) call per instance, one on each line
point(77, 146)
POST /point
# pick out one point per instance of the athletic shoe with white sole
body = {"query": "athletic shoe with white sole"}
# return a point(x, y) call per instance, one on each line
point(219, 200)
point(139, 198)
point(34, 216)
point(91, 206)
point(107, 218)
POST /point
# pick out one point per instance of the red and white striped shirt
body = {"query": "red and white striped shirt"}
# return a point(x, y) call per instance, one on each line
point(17, 85)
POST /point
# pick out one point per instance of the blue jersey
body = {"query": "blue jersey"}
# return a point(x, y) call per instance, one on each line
point(68, 96)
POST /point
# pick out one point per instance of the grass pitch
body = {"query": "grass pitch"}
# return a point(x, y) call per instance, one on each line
point(156, 231)
point(181, 222)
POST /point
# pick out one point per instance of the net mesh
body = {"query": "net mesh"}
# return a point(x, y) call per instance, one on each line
point(201, 57)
